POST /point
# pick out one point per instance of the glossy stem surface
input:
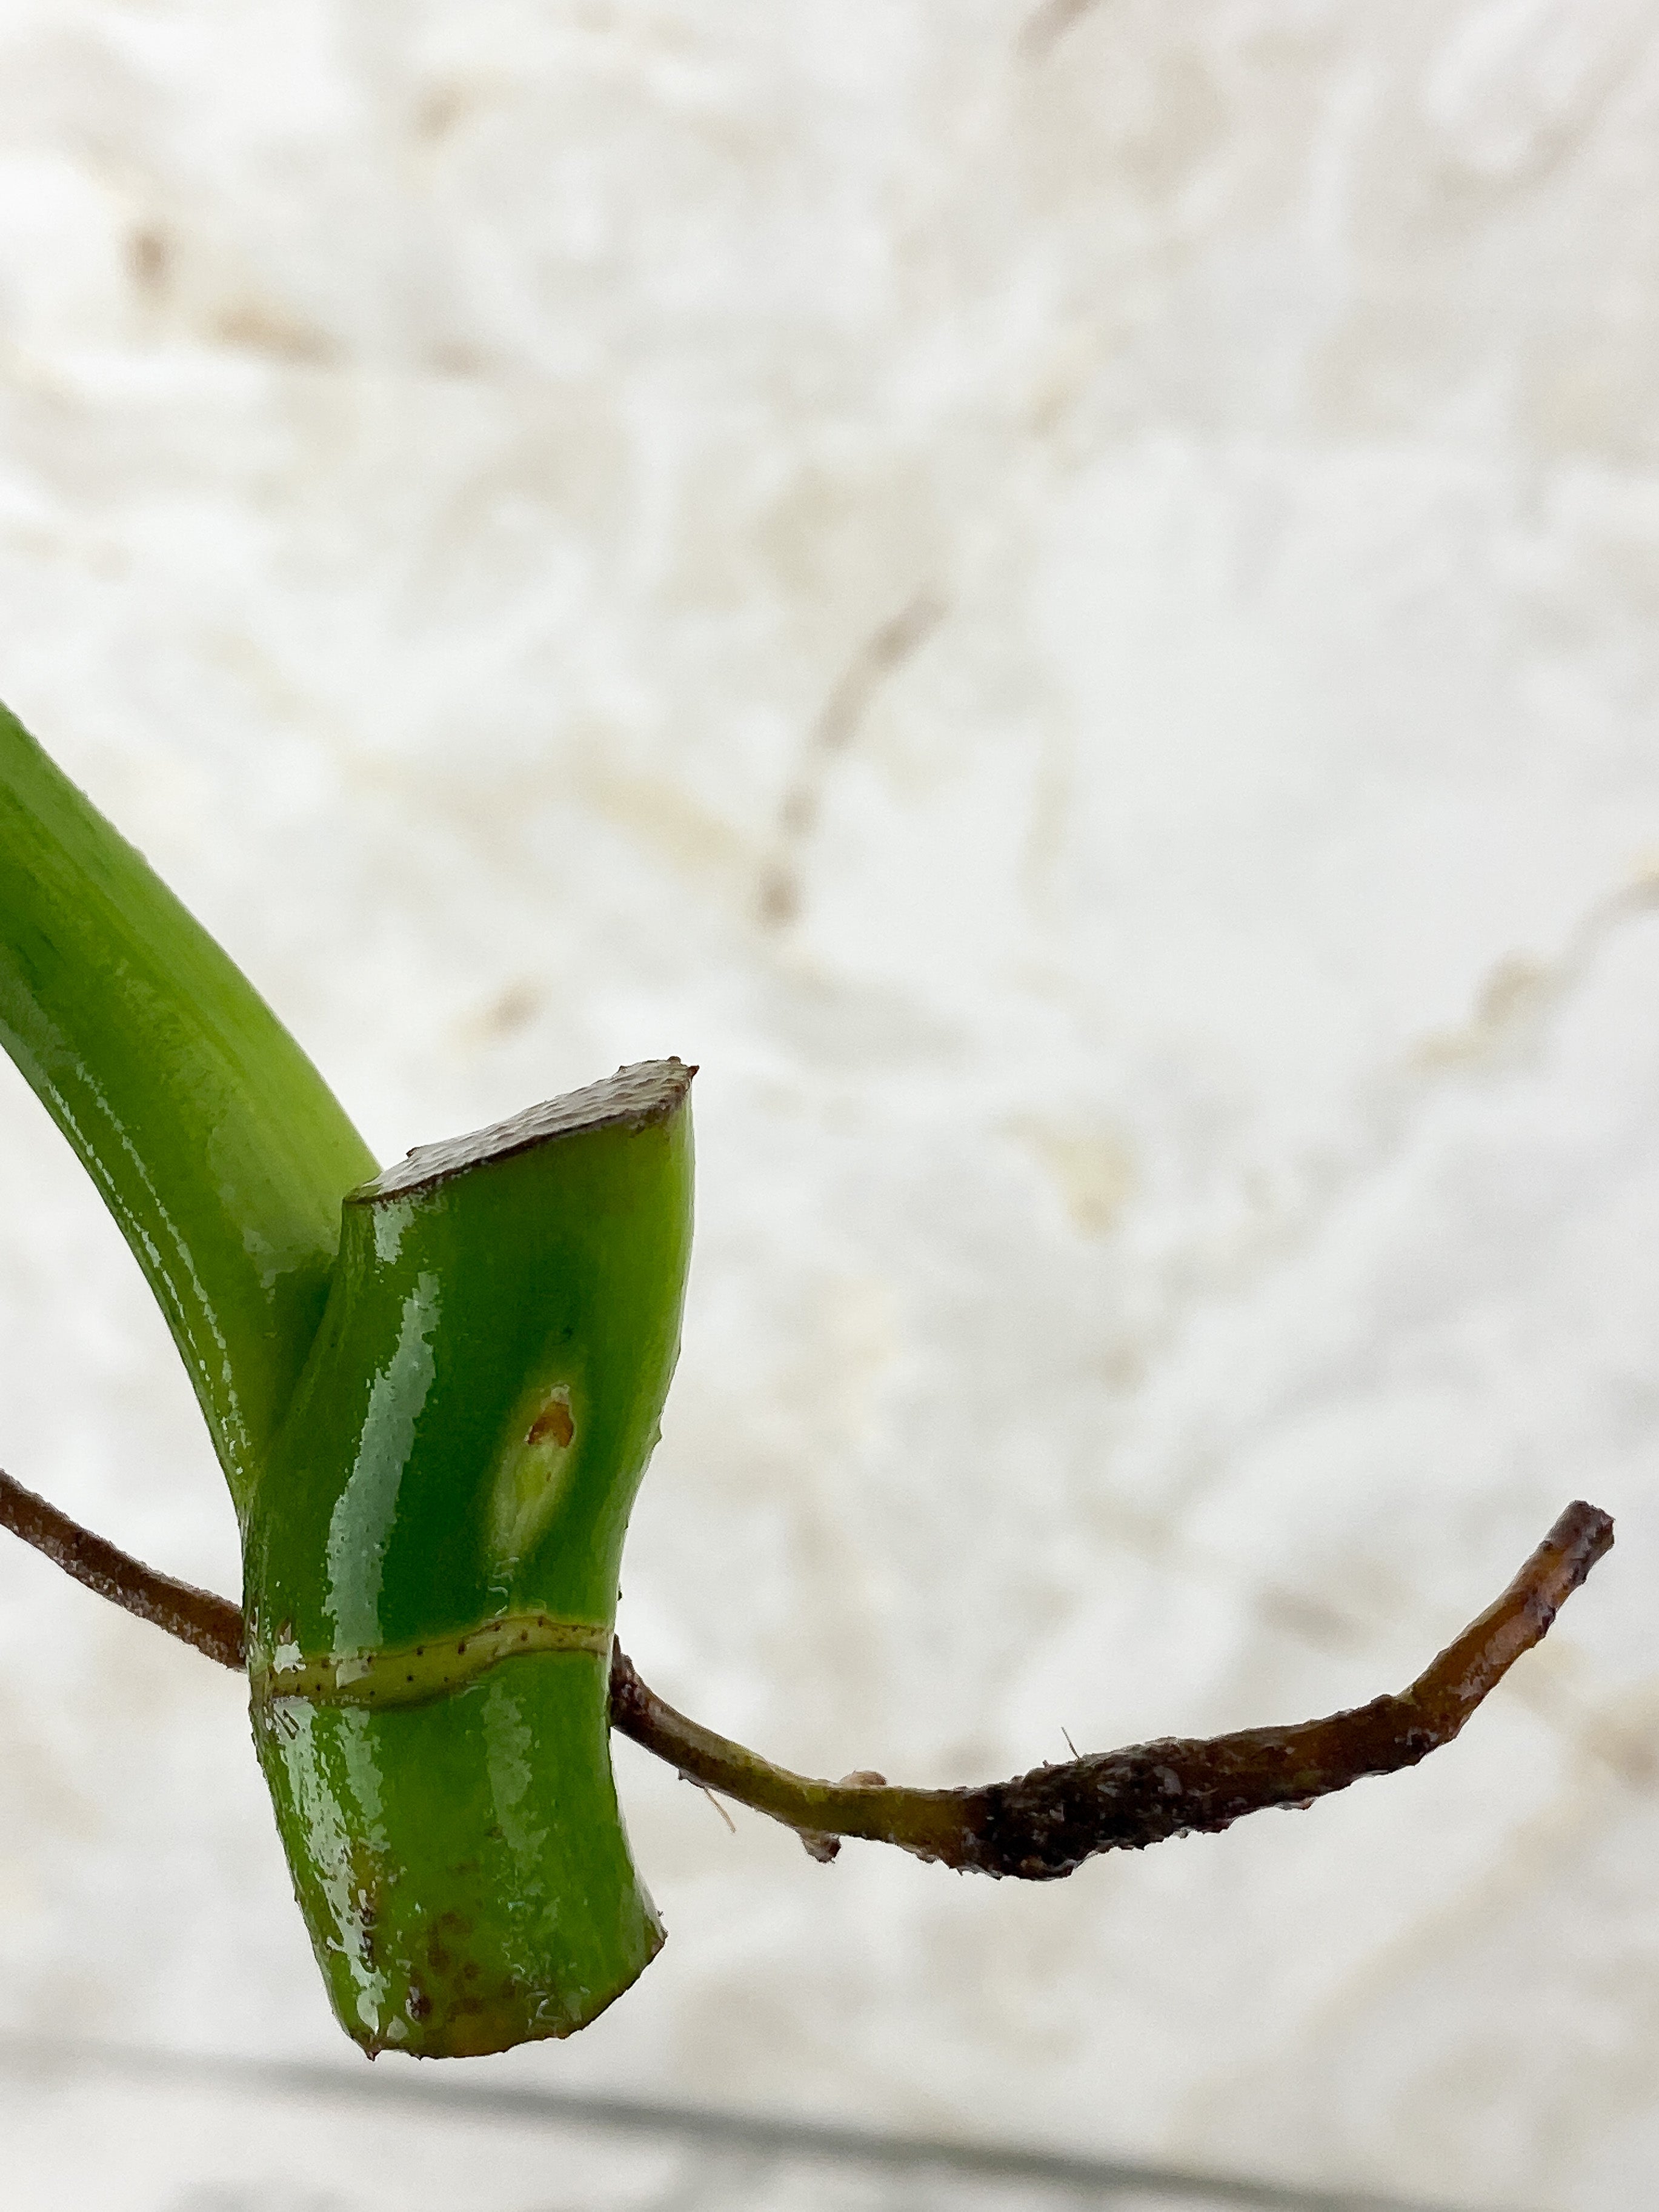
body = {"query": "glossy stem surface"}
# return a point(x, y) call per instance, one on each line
point(433, 1395)
point(431, 1565)
point(215, 1144)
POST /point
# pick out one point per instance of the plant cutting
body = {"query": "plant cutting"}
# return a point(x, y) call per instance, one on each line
point(434, 1390)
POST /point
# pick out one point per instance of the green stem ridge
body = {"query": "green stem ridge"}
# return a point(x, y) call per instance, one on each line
point(414, 1674)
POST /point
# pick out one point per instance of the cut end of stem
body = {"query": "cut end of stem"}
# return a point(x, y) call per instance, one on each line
point(635, 1097)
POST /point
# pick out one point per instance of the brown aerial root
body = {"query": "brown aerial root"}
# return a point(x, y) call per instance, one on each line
point(209, 1623)
point(1040, 1825)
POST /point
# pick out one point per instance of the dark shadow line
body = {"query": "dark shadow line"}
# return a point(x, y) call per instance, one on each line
point(1048, 25)
point(881, 655)
point(779, 2137)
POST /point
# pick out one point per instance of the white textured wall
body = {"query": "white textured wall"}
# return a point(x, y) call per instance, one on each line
point(1065, 597)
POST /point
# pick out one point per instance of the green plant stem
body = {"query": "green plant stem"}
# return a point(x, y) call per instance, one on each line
point(431, 1563)
point(1040, 1826)
point(219, 1149)
point(433, 1392)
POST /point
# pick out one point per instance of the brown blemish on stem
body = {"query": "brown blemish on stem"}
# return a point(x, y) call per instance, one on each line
point(553, 1424)
point(1040, 1826)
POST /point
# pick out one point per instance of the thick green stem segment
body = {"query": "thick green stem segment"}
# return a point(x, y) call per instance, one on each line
point(437, 1437)
point(431, 1569)
point(215, 1144)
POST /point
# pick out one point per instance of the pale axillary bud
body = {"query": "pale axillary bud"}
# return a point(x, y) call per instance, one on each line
point(827, 1849)
point(539, 1453)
